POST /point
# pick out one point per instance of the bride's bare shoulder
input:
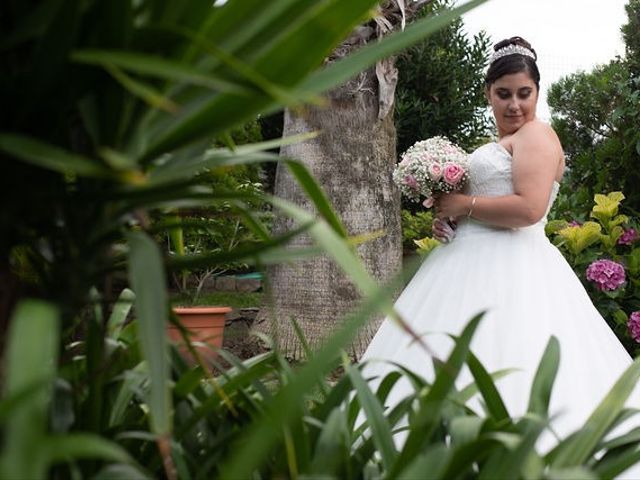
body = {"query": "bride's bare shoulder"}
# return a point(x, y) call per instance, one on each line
point(539, 133)
point(536, 128)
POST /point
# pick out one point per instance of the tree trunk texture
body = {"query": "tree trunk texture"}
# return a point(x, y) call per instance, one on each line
point(352, 159)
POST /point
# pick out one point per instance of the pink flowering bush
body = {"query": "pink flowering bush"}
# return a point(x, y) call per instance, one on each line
point(633, 325)
point(606, 274)
point(629, 237)
point(602, 251)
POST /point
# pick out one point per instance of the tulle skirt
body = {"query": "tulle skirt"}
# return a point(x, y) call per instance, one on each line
point(529, 293)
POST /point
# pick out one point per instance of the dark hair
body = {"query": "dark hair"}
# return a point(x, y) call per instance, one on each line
point(516, 63)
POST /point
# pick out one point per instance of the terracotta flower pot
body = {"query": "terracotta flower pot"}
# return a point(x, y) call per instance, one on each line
point(205, 325)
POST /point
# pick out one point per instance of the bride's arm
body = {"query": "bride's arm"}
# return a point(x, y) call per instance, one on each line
point(536, 156)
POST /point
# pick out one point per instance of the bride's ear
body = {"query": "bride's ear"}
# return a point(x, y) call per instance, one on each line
point(487, 94)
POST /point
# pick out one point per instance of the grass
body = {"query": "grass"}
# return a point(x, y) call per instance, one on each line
point(227, 299)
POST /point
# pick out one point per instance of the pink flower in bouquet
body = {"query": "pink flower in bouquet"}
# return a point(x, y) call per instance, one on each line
point(633, 326)
point(411, 181)
point(574, 223)
point(435, 171)
point(606, 274)
point(629, 237)
point(452, 173)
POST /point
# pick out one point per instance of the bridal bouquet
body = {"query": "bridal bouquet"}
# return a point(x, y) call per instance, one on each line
point(431, 166)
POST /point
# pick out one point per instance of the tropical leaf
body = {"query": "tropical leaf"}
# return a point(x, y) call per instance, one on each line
point(426, 419)
point(606, 206)
point(380, 429)
point(433, 461)
point(50, 157)
point(331, 448)
point(427, 244)
point(120, 312)
point(26, 365)
point(147, 277)
point(581, 237)
point(82, 445)
point(576, 450)
point(157, 67)
point(509, 464)
point(495, 405)
point(544, 379)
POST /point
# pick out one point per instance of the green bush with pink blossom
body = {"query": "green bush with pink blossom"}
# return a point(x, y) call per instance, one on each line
point(605, 254)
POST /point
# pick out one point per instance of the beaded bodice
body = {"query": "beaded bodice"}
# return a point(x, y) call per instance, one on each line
point(490, 171)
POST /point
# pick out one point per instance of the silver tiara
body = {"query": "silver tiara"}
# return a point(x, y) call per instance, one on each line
point(512, 50)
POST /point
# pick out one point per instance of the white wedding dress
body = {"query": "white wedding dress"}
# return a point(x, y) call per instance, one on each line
point(529, 293)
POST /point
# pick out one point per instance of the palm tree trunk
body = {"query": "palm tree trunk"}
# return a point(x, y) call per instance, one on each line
point(352, 159)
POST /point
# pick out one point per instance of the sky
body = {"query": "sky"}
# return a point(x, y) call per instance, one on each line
point(568, 35)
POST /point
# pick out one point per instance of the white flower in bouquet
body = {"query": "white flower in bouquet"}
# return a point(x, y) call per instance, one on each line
point(431, 166)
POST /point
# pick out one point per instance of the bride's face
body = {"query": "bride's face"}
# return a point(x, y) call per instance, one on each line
point(513, 100)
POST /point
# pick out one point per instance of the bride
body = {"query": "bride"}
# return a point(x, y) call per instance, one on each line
point(500, 261)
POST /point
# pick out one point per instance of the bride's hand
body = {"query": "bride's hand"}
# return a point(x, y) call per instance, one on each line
point(443, 230)
point(451, 205)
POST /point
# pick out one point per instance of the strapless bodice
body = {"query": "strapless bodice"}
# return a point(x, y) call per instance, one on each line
point(490, 176)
